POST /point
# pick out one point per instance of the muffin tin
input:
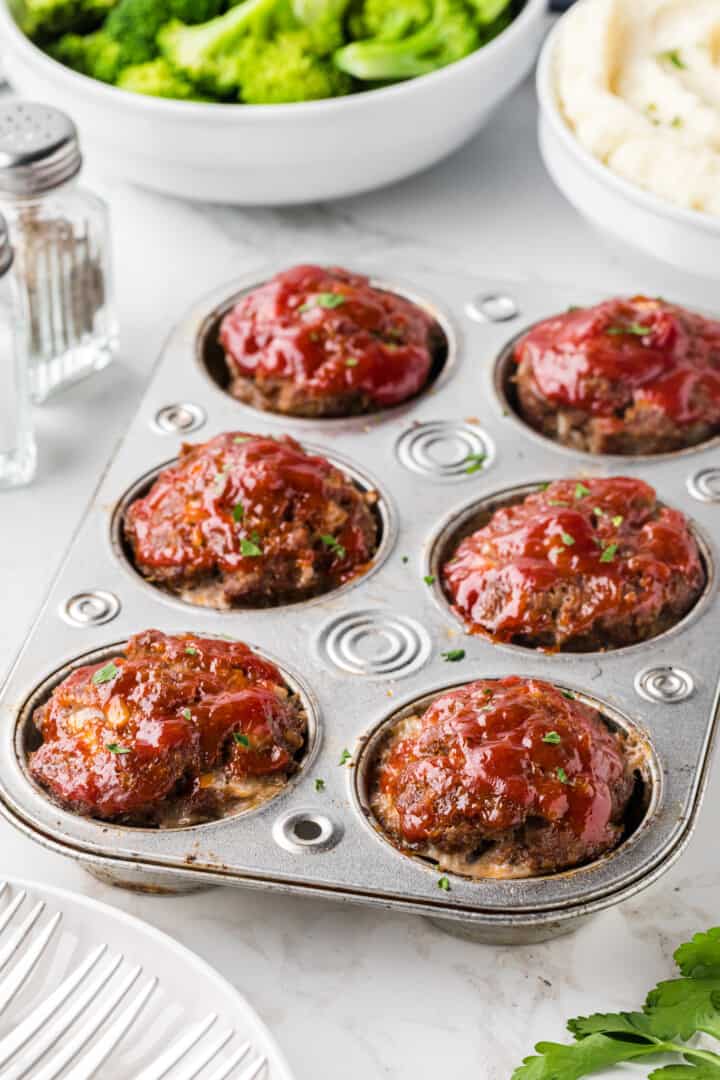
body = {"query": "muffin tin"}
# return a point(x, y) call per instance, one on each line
point(371, 649)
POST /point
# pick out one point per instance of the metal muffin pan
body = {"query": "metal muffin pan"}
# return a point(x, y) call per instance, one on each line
point(366, 652)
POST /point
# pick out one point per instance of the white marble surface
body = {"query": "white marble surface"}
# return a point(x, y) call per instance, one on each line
point(352, 992)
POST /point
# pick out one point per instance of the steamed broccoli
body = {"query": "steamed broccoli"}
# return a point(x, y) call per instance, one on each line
point(324, 21)
point(286, 69)
point(208, 55)
point(157, 79)
point(97, 55)
point(489, 11)
point(449, 35)
point(390, 20)
point(44, 20)
point(135, 23)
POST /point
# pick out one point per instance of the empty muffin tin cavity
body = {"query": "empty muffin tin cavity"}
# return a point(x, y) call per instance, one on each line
point(644, 800)
point(28, 738)
point(478, 513)
point(211, 357)
point(381, 508)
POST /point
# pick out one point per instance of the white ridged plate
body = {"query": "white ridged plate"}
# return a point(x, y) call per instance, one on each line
point(188, 989)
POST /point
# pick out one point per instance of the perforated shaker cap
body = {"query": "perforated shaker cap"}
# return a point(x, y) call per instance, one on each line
point(39, 148)
point(6, 251)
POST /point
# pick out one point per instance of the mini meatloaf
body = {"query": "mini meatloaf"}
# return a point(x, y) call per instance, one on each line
point(176, 730)
point(581, 565)
point(249, 520)
point(632, 376)
point(503, 779)
point(316, 341)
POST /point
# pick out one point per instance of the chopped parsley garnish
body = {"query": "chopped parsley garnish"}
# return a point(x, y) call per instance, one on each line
point(326, 300)
point(238, 512)
point(581, 491)
point(220, 480)
point(429, 579)
point(334, 545)
point(444, 883)
point(453, 655)
point(251, 548)
point(617, 520)
point(557, 502)
point(673, 57)
point(352, 361)
point(241, 739)
point(474, 462)
point(544, 487)
point(405, 558)
point(488, 692)
point(568, 695)
point(319, 784)
point(116, 748)
point(567, 539)
point(345, 757)
point(631, 328)
point(608, 553)
point(598, 512)
point(561, 775)
point(242, 438)
point(105, 674)
point(187, 714)
point(552, 737)
point(191, 650)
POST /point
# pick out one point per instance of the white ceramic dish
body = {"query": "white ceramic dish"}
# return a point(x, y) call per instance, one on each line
point(685, 238)
point(188, 989)
point(280, 154)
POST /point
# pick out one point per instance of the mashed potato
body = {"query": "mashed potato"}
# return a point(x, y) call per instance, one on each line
point(638, 82)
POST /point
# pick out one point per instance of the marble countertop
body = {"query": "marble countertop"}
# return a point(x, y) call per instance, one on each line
point(353, 992)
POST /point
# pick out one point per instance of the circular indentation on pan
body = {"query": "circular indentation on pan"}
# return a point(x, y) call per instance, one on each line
point(178, 419)
point(303, 832)
point(478, 513)
point(643, 803)
point(705, 484)
point(211, 357)
point(28, 737)
point(382, 508)
point(374, 643)
point(492, 307)
point(445, 449)
point(507, 397)
point(92, 608)
point(667, 685)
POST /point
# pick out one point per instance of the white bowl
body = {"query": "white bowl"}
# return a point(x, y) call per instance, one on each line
point(688, 239)
point(280, 154)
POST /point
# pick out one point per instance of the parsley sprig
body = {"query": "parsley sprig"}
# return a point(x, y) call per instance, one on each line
point(676, 1010)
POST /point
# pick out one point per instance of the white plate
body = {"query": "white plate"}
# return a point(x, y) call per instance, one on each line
point(187, 991)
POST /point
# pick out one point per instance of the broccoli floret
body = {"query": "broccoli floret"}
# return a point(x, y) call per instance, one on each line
point(135, 23)
point(390, 20)
point(286, 69)
point(44, 20)
point(450, 34)
point(97, 54)
point(157, 79)
point(324, 21)
point(489, 11)
point(208, 55)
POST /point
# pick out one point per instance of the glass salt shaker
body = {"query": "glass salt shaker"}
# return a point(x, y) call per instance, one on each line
point(17, 442)
point(60, 235)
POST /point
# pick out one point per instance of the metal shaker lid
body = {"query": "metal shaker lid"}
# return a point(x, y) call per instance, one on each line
point(39, 148)
point(6, 251)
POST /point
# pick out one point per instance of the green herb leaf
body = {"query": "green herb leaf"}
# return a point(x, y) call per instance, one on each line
point(116, 748)
point(334, 545)
point(238, 512)
point(453, 655)
point(568, 695)
point(552, 737)
point(250, 548)
point(242, 438)
point(352, 361)
point(191, 650)
point(608, 553)
point(326, 300)
point(581, 491)
point(567, 539)
point(405, 559)
point(319, 784)
point(241, 739)
point(557, 502)
point(444, 883)
point(345, 757)
point(429, 579)
point(558, 1062)
point(474, 462)
point(673, 57)
point(598, 512)
point(631, 328)
point(561, 775)
point(186, 714)
point(701, 955)
point(705, 1070)
point(105, 674)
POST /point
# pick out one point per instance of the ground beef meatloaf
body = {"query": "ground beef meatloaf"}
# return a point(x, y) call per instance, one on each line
point(581, 565)
point(632, 376)
point(316, 341)
point(504, 778)
point(249, 520)
point(178, 729)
